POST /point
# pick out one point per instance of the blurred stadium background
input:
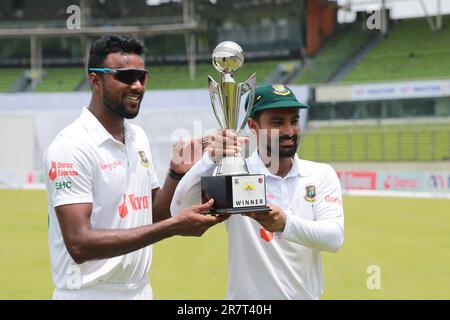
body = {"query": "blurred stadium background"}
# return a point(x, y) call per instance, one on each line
point(376, 73)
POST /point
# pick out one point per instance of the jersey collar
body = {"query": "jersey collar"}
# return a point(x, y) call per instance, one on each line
point(96, 130)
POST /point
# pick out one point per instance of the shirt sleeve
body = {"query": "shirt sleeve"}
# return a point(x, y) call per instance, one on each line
point(69, 174)
point(154, 182)
point(188, 191)
point(326, 231)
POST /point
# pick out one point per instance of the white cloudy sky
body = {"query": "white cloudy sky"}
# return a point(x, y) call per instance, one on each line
point(399, 8)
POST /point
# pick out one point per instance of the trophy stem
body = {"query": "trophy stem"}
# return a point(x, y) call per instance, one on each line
point(232, 165)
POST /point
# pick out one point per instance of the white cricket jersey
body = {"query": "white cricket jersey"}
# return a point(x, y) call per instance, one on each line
point(85, 164)
point(282, 265)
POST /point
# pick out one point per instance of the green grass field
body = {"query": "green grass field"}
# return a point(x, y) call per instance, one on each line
point(409, 239)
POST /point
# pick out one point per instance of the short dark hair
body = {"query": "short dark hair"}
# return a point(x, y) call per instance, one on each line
point(257, 115)
point(113, 44)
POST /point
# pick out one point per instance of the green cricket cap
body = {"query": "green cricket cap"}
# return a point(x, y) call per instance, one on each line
point(273, 97)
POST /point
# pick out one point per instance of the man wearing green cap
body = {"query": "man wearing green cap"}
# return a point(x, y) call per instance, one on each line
point(275, 255)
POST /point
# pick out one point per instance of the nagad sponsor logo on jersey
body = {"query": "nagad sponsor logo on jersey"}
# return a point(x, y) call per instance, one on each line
point(137, 203)
point(61, 169)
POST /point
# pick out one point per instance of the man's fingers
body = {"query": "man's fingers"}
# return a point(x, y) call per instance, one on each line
point(204, 207)
point(227, 133)
point(203, 139)
point(219, 218)
point(243, 140)
point(226, 138)
point(253, 215)
point(213, 153)
point(260, 216)
point(227, 141)
point(231, 152)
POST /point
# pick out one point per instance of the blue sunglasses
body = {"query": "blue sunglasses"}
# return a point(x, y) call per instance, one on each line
point(127, 76)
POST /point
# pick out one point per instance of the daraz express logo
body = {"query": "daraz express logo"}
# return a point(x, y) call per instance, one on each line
point(61, 169)
point(137, 203)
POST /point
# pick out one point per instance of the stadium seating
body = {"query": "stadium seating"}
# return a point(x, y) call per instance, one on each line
point(161, 77)
point(177, 76)
point(377, 143)
point(334, 53)
point(8, 77)
point(61, 79)
point(410, 51)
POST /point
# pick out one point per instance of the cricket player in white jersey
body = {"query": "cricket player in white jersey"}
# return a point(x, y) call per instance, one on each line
point(275, 255)
point(105, 204)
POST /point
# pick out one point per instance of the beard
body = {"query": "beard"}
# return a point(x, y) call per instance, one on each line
point(283, 151)
point(118, 107)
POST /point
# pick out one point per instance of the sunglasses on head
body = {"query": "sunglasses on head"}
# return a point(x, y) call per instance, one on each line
point(127, 76)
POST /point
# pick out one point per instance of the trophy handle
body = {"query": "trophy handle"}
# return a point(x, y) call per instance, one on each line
point(248, 85)
point(213, 93)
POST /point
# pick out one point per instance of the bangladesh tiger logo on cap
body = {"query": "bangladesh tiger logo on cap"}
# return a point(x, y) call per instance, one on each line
point(280, 90)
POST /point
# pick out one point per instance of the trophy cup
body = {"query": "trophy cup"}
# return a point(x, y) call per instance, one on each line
point(232, 187)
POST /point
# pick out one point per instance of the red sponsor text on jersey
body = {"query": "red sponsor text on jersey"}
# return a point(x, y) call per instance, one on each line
point(136, 202)
point(331, 199)
point(111, 166)
point(56, 170)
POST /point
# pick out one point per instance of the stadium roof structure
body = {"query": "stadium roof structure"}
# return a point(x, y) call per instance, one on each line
point(414, 8)
point(185, 23)
point(187, 26)
point(93, 26)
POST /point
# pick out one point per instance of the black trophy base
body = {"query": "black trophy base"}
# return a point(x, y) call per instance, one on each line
point(239, 210)
point(235, 194)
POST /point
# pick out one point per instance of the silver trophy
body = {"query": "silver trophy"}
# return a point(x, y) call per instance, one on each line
point(233, 188)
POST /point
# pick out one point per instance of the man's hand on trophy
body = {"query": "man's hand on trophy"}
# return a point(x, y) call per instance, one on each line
point(224, 142)
point(272, 221)
point(186, 153)
point(191, 222)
